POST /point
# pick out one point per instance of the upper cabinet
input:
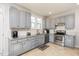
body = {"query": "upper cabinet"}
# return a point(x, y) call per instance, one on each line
point(48, 24)
point(59, 20)
point(43, 23)
point(70, 21)
point(19, 18)
point(25, 19)
point(52, 24)
point(28, 20)
point(22, 19)
point(62, 19)
point(14, 17)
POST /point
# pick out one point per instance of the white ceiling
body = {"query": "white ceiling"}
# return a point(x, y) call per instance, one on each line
point(44, 8)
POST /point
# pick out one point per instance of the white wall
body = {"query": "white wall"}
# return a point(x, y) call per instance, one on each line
point(77, 27)
point(5, 29)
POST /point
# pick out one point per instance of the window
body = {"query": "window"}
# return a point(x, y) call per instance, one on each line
point(33, 22)
point(36, 22)
point(39, 23)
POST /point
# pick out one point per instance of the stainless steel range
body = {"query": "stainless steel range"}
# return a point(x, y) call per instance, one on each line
point(59, 34)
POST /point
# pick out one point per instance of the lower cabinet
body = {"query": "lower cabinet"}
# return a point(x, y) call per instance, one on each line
point(69, 41)
point(77, 41)
point(51, 38)
point(26, 45)
point(18, 47)
point(15, 49)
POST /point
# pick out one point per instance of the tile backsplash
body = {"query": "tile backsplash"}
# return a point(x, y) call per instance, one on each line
point(23, 33)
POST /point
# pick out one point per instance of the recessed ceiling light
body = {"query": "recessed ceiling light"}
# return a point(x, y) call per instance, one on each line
point(50, 12)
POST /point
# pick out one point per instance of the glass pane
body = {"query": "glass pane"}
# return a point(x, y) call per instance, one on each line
point(33, 19)
point(38, 26)
point(33, 25)
point(39, 20)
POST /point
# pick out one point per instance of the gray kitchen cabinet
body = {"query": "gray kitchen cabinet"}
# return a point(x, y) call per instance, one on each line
point(11, 48)
point(51, 38)
point(25, 19)
point(15, 48)
point(69, 41)
point(33, 42)
point(62, 19)
point(48, 23)
point(41, 39)
point(22, 19)
point(77, 41)
point(70, 21)
point(57, 21)
point(36, 41)
point(19, 18)
point(43, 23)
point(52, 26)
point(28, 20)
point(14, 17)
point(19, 46)
point(26, 45)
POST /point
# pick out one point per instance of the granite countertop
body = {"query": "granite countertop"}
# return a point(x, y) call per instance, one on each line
point(19, 38)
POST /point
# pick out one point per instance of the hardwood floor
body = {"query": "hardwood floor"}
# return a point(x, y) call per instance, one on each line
point(53, 50)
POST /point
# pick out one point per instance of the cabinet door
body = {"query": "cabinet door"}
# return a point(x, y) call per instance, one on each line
point(14, 17)
point(51, 38)
point(15, 49)
point(28, 20)
point(22, 19)
point(48, 24)
point(43, 23)
point(11, 47)
point(52, 24)
point(69, 41)
point(41, 39)
point(33, 42)
point(62, 19)
point(69, 21)
point(77, 41)
point(57, 20)
point(26, 45)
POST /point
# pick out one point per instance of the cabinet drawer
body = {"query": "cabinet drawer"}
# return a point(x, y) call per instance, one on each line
point(69, 41)
point(14, 42)
point(21, 40)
